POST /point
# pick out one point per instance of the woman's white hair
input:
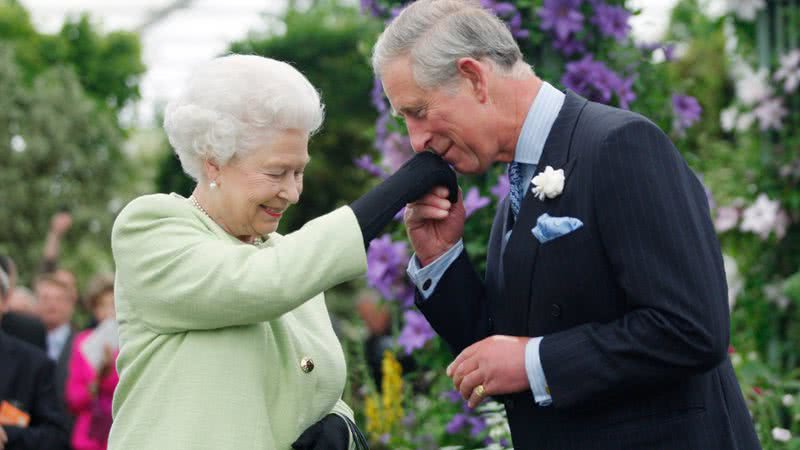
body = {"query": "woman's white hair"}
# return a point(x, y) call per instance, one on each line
point(233, 103)
point(435, 34)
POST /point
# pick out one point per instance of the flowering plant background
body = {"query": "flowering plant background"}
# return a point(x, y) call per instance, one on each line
point(724, 85)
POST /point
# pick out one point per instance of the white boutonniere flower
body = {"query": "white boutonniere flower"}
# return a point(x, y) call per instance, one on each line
point(549, 183)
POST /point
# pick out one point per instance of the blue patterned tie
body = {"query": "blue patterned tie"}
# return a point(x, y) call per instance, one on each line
point(515, 180)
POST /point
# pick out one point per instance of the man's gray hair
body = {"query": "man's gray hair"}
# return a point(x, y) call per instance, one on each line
point(435, 34)
point(234, 103)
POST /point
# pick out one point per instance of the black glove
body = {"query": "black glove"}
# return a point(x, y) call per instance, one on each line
point(414, 179)
point(330, 433)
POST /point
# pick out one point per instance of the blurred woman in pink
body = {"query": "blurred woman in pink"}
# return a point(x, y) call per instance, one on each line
point(92, 373)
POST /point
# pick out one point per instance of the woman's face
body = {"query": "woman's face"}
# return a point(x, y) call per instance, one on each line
point(256, 189)
point(104, 308)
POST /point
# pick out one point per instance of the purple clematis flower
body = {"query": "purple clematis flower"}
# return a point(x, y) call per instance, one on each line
point(612, 21)
point(501, 189)
point(386, 265)
point(473, 201)
point(687, 111)
point(416, 331)
point(365, 162)
point(562, 17)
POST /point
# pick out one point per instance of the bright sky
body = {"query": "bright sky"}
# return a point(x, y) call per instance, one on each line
point(179, 34)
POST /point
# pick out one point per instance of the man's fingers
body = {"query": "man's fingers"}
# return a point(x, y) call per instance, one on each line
point(469, 384)
point(422, 213)
point(433, 200)
point(466, 353)
point(462, 370)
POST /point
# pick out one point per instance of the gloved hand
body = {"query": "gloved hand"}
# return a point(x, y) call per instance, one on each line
point(330, 433)
point(412, 180)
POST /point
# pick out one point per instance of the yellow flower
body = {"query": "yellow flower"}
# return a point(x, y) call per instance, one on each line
point(385, 411)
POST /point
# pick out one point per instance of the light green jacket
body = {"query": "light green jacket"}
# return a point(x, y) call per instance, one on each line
point(213, 330)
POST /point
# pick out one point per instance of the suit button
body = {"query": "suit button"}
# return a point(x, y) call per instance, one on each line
point(555, 310)
point(306, 364)
point(509, 404)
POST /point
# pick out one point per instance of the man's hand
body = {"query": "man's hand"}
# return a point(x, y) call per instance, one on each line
point(3, 438)
point(434, 224)
point(497, 363)
point(60, 223)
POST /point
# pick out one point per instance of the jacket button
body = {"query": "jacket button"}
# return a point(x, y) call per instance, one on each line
point(306, 364)
point(555, 310)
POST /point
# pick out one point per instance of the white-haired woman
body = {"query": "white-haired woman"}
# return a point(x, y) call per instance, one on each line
point(225, 340)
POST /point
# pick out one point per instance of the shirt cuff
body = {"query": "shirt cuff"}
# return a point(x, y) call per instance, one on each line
point(533, 366)
point(426, 278)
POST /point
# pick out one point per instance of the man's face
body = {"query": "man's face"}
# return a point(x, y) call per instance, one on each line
point(454, 124)
point(56, 303)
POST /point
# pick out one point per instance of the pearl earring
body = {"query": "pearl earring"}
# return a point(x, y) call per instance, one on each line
point(212, 185)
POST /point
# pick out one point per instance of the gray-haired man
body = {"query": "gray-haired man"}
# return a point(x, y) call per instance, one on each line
point(602, 321)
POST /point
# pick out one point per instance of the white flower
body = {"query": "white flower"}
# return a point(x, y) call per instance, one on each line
point(549, 183)
point(745, 9)
point(751, 86)
point(789, 71)
point(787, 400)
point(774, 294)
point(727, 218)
point(745, 121)
point(760, 217)
point(18, 143)
point(770, 114)
point(735, 282)
point(727, 118)
point(781, 434)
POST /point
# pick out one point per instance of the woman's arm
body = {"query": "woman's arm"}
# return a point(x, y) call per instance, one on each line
point(176, 276)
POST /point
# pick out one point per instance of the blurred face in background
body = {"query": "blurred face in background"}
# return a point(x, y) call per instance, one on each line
point(103, 307)
point(56, 302)
point(22, 301)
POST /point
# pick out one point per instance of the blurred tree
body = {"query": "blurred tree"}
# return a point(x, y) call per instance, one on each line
point(324, 44)
point(61, 143)
point(108, 65)
point(59, 151)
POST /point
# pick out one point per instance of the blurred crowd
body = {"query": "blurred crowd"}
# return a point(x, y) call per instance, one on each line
point(56, 380)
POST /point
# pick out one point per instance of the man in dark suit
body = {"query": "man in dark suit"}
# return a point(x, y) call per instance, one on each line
point(27, 394)
point(21, 326)
point(602, 322)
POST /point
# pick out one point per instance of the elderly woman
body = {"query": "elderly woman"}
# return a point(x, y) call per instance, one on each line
point(225, 340)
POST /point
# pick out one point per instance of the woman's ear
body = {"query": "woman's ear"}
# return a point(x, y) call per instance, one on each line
point(211, 170)
point(476, 73)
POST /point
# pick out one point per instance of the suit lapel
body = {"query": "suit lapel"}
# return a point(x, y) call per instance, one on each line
point(520, 253)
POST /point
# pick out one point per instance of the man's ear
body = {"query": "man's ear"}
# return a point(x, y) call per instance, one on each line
point(476, 73)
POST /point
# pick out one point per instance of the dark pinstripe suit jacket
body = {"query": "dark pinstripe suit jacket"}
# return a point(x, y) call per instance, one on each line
point(632, 306)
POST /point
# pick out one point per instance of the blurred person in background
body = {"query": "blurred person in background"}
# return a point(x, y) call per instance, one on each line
point(223, 323)
point(60, 223)
point(21, 323)
point(23, 301)
point(90, 390)
point(31, 416)
point(57, 299)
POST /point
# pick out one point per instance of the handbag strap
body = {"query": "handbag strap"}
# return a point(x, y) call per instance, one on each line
point(358, 437)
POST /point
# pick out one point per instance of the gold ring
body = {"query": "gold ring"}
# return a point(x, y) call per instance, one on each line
point(479, 391)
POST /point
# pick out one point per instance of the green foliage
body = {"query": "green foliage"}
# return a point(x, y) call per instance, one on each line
point(323, 43)
point(108, 65)
point(60, 151)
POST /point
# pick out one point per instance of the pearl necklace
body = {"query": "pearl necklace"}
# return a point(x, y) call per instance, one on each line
point(257, 241)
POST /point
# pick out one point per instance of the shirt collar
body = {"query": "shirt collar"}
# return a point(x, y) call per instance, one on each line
point(541, 116)
point(56, 340)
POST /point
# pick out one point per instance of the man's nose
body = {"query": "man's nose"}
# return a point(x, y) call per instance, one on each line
point(420, 138)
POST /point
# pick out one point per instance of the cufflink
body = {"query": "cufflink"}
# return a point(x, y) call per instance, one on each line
point(426, 285)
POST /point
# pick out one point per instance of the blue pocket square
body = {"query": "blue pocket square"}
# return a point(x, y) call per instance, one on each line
point(548, 228)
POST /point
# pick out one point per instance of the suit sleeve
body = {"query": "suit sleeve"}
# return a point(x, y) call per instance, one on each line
point(47, 429)
point(655, 227)
point(177, 277)
point(457, 309)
